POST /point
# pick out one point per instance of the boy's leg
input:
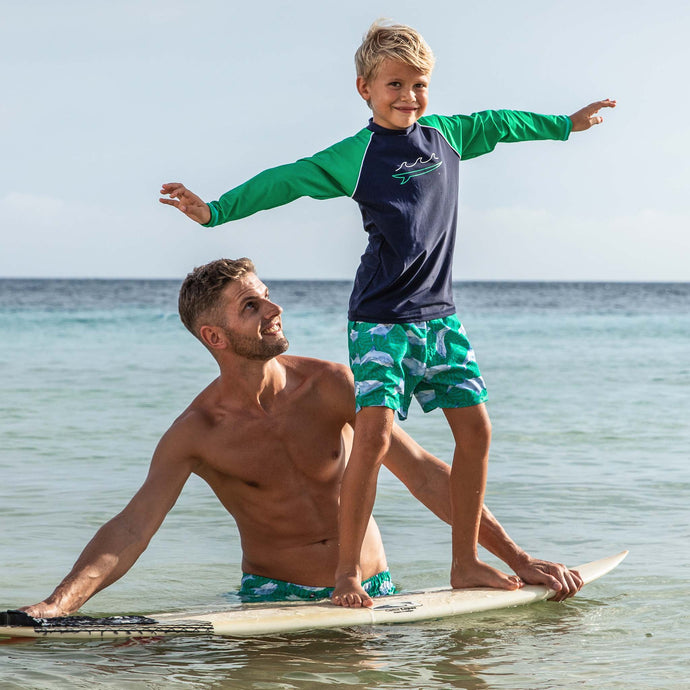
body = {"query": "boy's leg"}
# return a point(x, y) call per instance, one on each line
point(472, 433)
point(373, 428)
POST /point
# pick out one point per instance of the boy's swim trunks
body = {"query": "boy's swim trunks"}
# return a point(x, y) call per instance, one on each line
point(258, 588)
point(432, 360)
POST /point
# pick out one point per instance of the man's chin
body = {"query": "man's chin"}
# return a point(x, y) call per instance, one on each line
point(281, 346)
point(270, 350)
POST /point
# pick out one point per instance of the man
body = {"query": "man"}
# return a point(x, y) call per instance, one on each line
point(271, 436)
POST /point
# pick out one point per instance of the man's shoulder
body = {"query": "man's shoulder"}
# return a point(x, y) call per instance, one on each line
point(331, 382)
point(196, 418)
point(323, 369)
point(323, 386)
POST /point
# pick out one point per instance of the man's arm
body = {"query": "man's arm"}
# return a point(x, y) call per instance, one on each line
point(118, 544)
point(428, 480)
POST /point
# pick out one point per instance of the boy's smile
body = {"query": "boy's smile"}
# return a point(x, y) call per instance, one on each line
point(397, 94)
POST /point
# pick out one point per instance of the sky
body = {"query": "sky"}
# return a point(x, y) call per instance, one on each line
point(103, 101)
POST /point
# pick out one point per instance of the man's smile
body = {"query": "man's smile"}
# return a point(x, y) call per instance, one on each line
point(272, 329)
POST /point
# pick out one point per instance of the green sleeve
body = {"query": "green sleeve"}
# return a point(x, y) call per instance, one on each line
point(328, 174)
point(477, 134)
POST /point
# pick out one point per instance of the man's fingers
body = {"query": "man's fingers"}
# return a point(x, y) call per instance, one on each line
point(571, 584)
point(576, 579)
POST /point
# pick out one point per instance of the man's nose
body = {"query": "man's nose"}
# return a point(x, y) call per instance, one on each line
point(272, 309)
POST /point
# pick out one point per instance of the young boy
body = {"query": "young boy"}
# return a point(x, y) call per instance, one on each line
point(404, 337)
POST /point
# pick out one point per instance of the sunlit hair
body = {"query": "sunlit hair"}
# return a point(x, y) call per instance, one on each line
point(395, 42)
point(201, 290)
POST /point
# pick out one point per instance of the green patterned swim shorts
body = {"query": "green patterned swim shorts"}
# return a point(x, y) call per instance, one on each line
point(432, 360)
point(258, 588)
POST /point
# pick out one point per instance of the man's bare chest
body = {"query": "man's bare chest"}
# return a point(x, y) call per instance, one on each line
point(262, 450)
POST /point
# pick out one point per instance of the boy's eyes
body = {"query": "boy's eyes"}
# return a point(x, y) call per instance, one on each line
point(397, 84)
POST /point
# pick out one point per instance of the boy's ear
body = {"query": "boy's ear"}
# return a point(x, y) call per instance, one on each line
point(363, 88)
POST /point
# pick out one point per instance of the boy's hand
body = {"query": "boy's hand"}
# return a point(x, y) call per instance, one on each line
point(189, 203)
point(587, 117)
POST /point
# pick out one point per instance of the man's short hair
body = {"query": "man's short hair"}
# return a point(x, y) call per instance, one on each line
point(201, 290)
point(385, 41)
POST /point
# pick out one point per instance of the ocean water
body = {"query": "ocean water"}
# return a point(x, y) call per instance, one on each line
point(590, 402)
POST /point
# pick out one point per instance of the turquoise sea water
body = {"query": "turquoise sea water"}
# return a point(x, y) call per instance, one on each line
point(590, 402)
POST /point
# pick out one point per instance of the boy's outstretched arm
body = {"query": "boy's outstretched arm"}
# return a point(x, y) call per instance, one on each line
point(587, 117)
point(189, 203)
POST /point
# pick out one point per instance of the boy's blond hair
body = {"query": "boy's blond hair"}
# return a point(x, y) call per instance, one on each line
point(385, 41)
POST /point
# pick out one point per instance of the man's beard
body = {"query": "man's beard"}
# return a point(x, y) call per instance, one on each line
point(251, 348)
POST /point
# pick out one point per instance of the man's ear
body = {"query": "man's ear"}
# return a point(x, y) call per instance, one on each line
point(213, 337)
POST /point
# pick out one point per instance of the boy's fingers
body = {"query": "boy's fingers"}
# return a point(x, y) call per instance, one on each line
point(173, 189)
point(607, 103)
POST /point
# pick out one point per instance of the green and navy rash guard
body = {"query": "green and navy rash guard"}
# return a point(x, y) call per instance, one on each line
point(406, 185)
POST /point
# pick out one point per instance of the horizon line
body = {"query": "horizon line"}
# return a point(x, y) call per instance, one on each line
point(658, 281)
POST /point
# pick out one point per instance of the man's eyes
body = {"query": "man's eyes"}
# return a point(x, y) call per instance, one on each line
point(252, 304)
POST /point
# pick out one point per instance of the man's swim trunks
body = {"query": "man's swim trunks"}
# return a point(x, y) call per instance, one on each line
point(258, 588)
point(432, 360)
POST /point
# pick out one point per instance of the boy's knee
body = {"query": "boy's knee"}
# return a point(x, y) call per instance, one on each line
point(377, 440)
point(470, 422)
point(373, 432)
point(484, 426)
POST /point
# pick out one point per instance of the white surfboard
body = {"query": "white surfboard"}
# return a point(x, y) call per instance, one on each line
point(251, 620)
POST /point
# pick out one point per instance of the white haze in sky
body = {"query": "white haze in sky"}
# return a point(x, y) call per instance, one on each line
point(101, 102)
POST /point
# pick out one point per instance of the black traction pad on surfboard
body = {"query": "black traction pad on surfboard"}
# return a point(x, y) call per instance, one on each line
point(21, 619)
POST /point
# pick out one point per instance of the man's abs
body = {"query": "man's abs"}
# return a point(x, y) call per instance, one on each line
point(312, 564)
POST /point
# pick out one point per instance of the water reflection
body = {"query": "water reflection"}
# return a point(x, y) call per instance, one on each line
point(498, 649)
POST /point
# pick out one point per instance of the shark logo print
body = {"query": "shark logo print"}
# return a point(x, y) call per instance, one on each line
point(406, 171)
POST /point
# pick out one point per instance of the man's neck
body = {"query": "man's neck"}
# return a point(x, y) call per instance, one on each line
point(252, 383)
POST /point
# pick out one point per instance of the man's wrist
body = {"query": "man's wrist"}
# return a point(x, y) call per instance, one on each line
point(517, 559)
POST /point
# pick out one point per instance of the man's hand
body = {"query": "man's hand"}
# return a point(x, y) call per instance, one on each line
point(567, 583)
point(587, 117)
point(44, 610)
point(189, 203)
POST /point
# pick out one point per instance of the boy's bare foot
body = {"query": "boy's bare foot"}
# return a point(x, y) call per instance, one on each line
point(478, 574)
point(349, 593)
